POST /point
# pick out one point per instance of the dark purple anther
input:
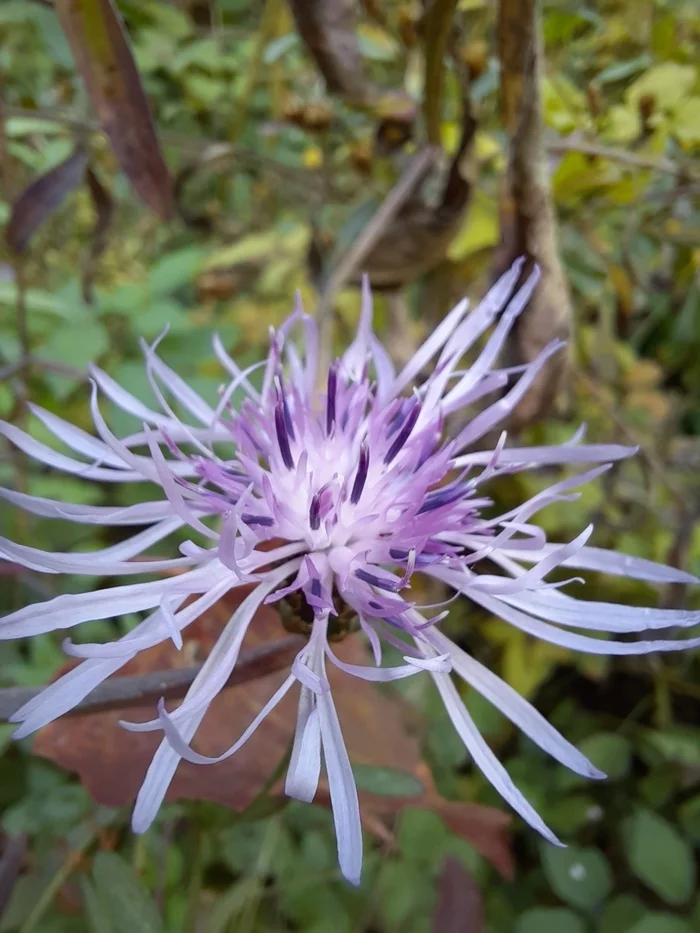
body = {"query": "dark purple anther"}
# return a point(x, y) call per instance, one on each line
point(331, 397)
point(281, 396)
point(381, 583)
point(361, 475)
point(403, 434)
point(283, 436)
point(440, 498)
point(315, 512)
point(264, 520)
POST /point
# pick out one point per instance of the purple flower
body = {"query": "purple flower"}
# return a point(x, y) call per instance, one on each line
point(363, 489)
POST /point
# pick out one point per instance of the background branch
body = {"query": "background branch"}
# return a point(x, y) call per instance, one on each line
point(142, 689)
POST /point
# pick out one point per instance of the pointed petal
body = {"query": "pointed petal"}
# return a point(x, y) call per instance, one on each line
point(518, 710)
point(305, 765)
point(485, 759)
point(612, 562)
point(343, 792)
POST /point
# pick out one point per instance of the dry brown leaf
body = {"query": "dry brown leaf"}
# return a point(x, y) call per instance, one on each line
point(111, 762)
point(106, 65)
point(459, 908)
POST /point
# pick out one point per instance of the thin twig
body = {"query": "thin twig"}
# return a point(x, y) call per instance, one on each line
point(659, 164)
point(142, 689)
point(61, 369)
point(348, 265)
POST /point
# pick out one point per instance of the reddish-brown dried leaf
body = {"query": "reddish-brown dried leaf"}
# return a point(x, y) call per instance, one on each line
point(111, 763)
point(459, 908)
point(43, 196)
point(106, 65)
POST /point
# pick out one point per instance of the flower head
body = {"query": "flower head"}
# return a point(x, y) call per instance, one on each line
point(329, 502)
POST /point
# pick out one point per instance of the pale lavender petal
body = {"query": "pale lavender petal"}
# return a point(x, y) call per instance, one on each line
point(518, 710)
point(601, 617)
point(142, 513)
point(430, 347)
point(75, 438)
point(621, 565)
point(125, 400)
point(182, 747)
point(582, 643)
point(179, 388)
point(554, 454)
point(343, 792)
point(485, 759)
point(53, 458)
point(304, 768)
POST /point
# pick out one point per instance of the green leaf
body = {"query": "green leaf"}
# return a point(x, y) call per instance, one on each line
point(123, 895)
point(37, 300)
point(550, 920)
point(76, 345)
point(389, 782)
point(175, 270)
point(621, 913)
point(659, 856)
point(581, 877)
point(610, 752)
point(661, 923)
point(94, 911)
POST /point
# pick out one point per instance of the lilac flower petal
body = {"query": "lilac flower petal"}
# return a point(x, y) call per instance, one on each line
point(158, 777)
point(125, 400)
point(571, 640)
point(223, 657)
point(233, 368)
point(343, 792)
point(68, 610)
point(601, 617)
point(483, 316)
point(53, 458)
point(92, 563)
point(430, 347)
point(485, 759)
point(388, 674)
point(554, 454)
point(500, 410)
point(178, 387)
point(181, 746)
point(63, 695)
point(621, 565)
point(518, 710)
point(304, 768)
point(75, 438)
point(142, 513)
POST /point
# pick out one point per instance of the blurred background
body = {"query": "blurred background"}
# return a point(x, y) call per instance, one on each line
point(298, 144)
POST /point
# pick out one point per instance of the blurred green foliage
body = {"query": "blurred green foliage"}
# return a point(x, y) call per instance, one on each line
point(621, 74)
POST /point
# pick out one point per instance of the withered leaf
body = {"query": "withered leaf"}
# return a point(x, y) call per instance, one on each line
point(459, 908)
point(111, 763)
point(106, 65)
point(43, 196)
